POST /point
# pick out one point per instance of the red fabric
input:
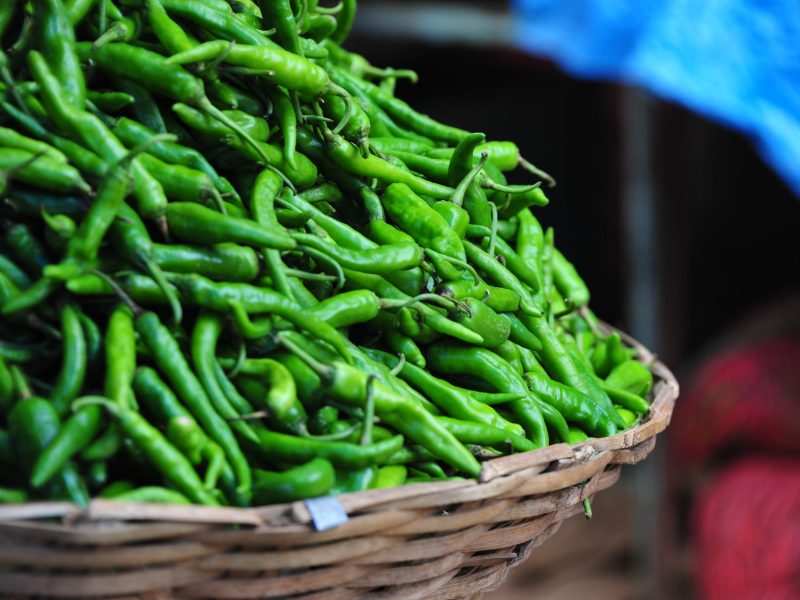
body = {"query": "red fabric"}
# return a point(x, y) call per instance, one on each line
point(746, 529)
point(746, 399)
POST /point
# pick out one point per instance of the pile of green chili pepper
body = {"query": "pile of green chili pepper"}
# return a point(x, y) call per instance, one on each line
point(237, 269)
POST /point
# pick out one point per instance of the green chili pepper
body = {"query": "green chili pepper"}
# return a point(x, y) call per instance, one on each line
point(256, 127)
point(207, 330)
point(218, 297)
point(279, 14)
point(352, 385)
point(133, 242)
point(42, 170)
point(151, 494)
point(481, 319)
point(10, 269)
point(390, 476)
point(123, 29)
point(292, 71)
point(6, 15)
point(228, 262)
point(452, 359)
point(349, 182)
point(347, 156)
point(519, 334)
point(568, 282)
point(576, 436)
point(609, 354)
point(461, 159)
point(33, 423)
point(468, 432)
point(562, 367)
point(384, 259)
point(182, 183)
point(11, 495)
point(631, 376)
point(96, 136)
point(510, 352)
point(626, 399)
point(262, 199)
point(157, 74)
point(86, 161)
point(73, 436)
point(357, 125)
point(56, 40)
point(111, 102)
point(30, 202)
point(515, 263)
point(132, 133)
point(628, 416)
point(181, 428)
point(120, 361)
point(397, 342)
point(574, 405)
point(347, 308)
point(196, 223)
point(453, 400)
point(522, 200)
point(273, 388)
point(162, 455)
point(500, 275)
point(145, 108)
point(425, 225)
point(354, 480)
point(13, 139)
point(59, 230)
point(6, 388)
point(7, 289)
point(274, 446)
point(398, 109)
point(312, 479)
point(73, 370)
point(435, 320)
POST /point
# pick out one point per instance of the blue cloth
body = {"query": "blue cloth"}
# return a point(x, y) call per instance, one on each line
point(737, 61)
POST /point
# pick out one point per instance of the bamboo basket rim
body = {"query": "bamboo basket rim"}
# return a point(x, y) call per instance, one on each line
point(498, 476)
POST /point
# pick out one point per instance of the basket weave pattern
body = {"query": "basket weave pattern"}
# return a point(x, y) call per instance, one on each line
point(453, 539)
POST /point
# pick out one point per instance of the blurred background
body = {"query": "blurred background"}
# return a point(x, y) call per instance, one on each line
point(675, 200)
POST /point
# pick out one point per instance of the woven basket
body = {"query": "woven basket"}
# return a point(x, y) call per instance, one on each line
point(454, 539)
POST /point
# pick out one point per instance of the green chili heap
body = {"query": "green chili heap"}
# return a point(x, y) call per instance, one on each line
point(236, 269)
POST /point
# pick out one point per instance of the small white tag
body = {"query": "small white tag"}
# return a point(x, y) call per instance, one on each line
point(326, 512)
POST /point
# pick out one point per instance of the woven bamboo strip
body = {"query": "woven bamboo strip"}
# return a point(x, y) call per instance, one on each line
point(415, 572)
point(96, 586)
point(99, 534)
point(36, 510)
point(285, 585)
point(99, 510)
point(505, 465)
point(468, 585)
point(429, 547)
point(72, 559)
point(420, 590)
point(297, 535)
point(309, 556)
point(451, 522)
